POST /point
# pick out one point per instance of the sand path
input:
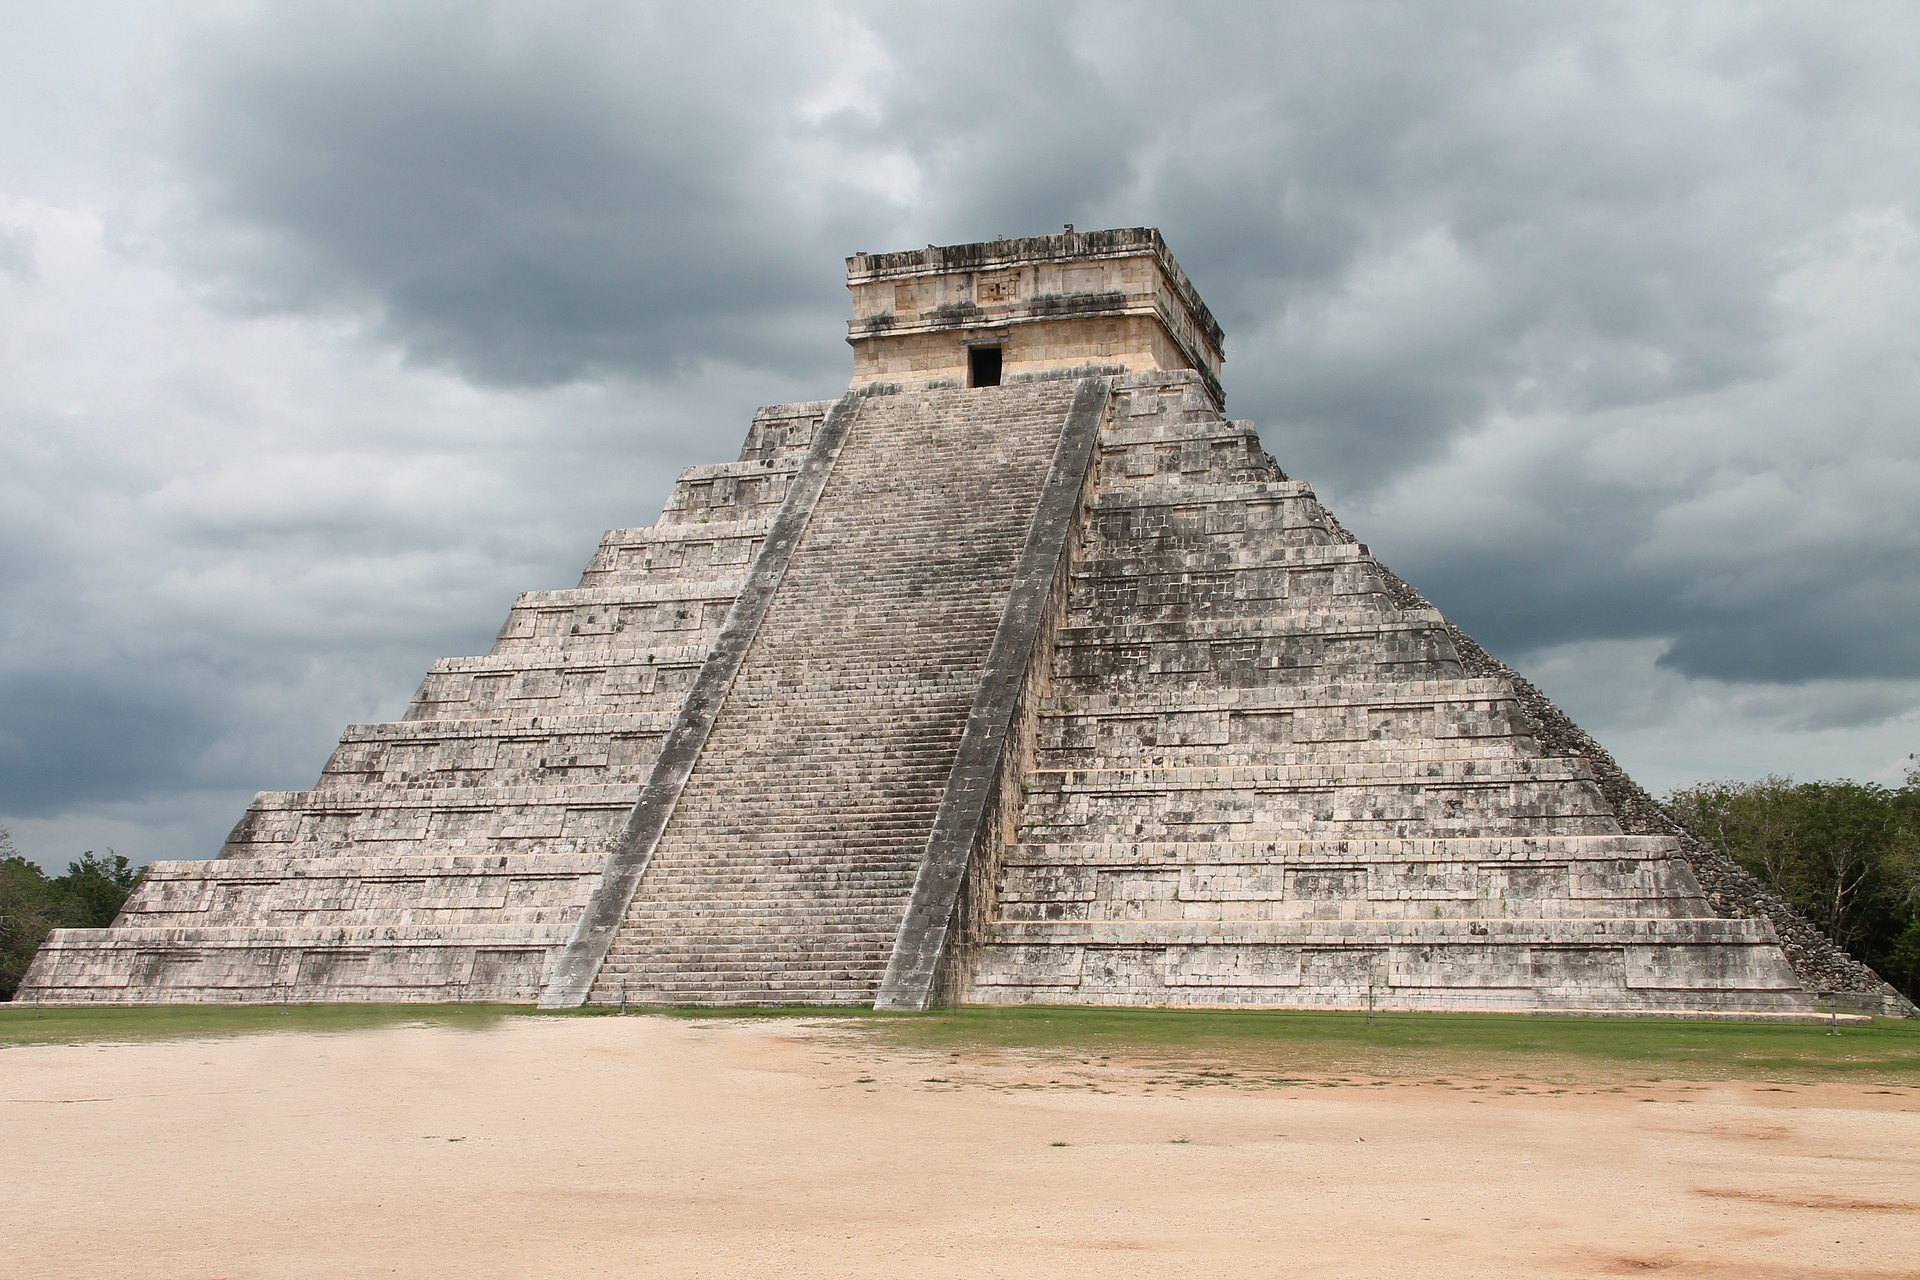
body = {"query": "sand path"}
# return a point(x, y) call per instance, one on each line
point(658, 1147)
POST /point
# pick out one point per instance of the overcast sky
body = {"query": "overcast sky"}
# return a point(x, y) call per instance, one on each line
point(326, 329)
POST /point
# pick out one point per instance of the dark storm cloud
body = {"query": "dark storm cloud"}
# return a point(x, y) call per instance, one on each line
point(1411, 218)
point(1823, 616)
point(71, 738)
point(530, 198)
point(1596, 321)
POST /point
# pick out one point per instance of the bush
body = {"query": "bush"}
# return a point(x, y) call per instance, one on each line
point(88, 896)
point(1845, 854)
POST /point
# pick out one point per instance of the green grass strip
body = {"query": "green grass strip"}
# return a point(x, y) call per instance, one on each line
point(25, 1025)
point(1262, 1042)
point(1397, 1043)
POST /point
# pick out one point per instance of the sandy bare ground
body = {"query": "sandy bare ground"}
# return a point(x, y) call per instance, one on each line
point(657, 1147)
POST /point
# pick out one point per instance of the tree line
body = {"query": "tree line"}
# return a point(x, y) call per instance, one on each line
point(32, 903)
point(1845, 854)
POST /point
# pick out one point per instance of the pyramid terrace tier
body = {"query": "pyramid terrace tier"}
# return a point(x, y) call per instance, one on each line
point(1539, 796)
point(1204, 450)
point(1223, 555)
point(1684, 966)
point(378, 963)
point(498, 752)
point(725, 491)
point(1474, 878)
point(683, 611)
point(1300, 648)
point(1414, 721)
point(390, 822)
point(1164, 518)
point(288, 892)
point(1268, 502)
point(656, 553)
point(313, 928)
point(782, 433)
point(1338, 580)
point(581, 679)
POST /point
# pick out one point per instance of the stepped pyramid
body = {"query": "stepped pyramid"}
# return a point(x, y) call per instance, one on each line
point(1017, 673)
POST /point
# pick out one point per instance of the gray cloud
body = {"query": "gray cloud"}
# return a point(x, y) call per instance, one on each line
point(16, 253)
point(1593, 319)
point(530, 198)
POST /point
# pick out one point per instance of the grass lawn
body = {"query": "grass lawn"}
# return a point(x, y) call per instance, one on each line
point(1256, 1043)
point(1888, 1050)
point(23, 1024)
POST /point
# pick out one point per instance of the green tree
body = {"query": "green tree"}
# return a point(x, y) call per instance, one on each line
point(95, 889)
point(1845, 854)
point(32, 903)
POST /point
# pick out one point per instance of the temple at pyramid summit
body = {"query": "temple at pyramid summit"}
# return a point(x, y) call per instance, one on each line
point(1018, 672)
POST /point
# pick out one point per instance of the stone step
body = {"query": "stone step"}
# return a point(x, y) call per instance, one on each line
point(659, 552)
point(1280, 751)
point(848, 709)
point(1229, 556)
point(409, 872)
point(1385, 932)
point(1155, 854)
point(729, 490)
point(1181, 493)
point(1127, 701)
point(497, 751)
point(392, 821)
point(1435, 774)
point(543, 682)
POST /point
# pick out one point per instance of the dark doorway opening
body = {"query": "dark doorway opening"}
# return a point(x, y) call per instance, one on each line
point(983, 366)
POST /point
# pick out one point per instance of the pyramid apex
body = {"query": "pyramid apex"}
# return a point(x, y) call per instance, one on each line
point(1072, 300)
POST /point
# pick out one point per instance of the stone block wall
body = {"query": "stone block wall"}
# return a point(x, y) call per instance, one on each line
point(783, 872)
point(1262, 778)
point(447, 855)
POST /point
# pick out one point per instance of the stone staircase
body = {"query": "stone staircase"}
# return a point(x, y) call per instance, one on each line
point(784, 869)
point(1256, 779)
point(1052, 691)
point(449, 854)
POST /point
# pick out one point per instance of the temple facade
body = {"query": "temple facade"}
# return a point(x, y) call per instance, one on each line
point(1017, 673)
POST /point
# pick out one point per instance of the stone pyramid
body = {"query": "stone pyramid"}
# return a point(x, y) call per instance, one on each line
point(1017, 673)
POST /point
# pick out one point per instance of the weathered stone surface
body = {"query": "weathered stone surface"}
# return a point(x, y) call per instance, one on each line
point(449, 855)
point(1052, 688)
point(1099, 301)
point(1261, 776)
point(785, 868)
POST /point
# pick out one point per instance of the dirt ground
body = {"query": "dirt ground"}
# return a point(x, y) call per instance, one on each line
point(651, 1146)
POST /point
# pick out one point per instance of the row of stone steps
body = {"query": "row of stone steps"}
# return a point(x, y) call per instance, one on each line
point(450, 854)
point(1228, 556)
point(1233, 773)
point(544, 743)
point(1280, 749)
point(796, 839)
point(498, 751)
point(661, 552)
point(536, 684)
point(1242, 739)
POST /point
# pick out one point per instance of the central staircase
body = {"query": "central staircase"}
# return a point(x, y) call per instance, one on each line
point(783, 872)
